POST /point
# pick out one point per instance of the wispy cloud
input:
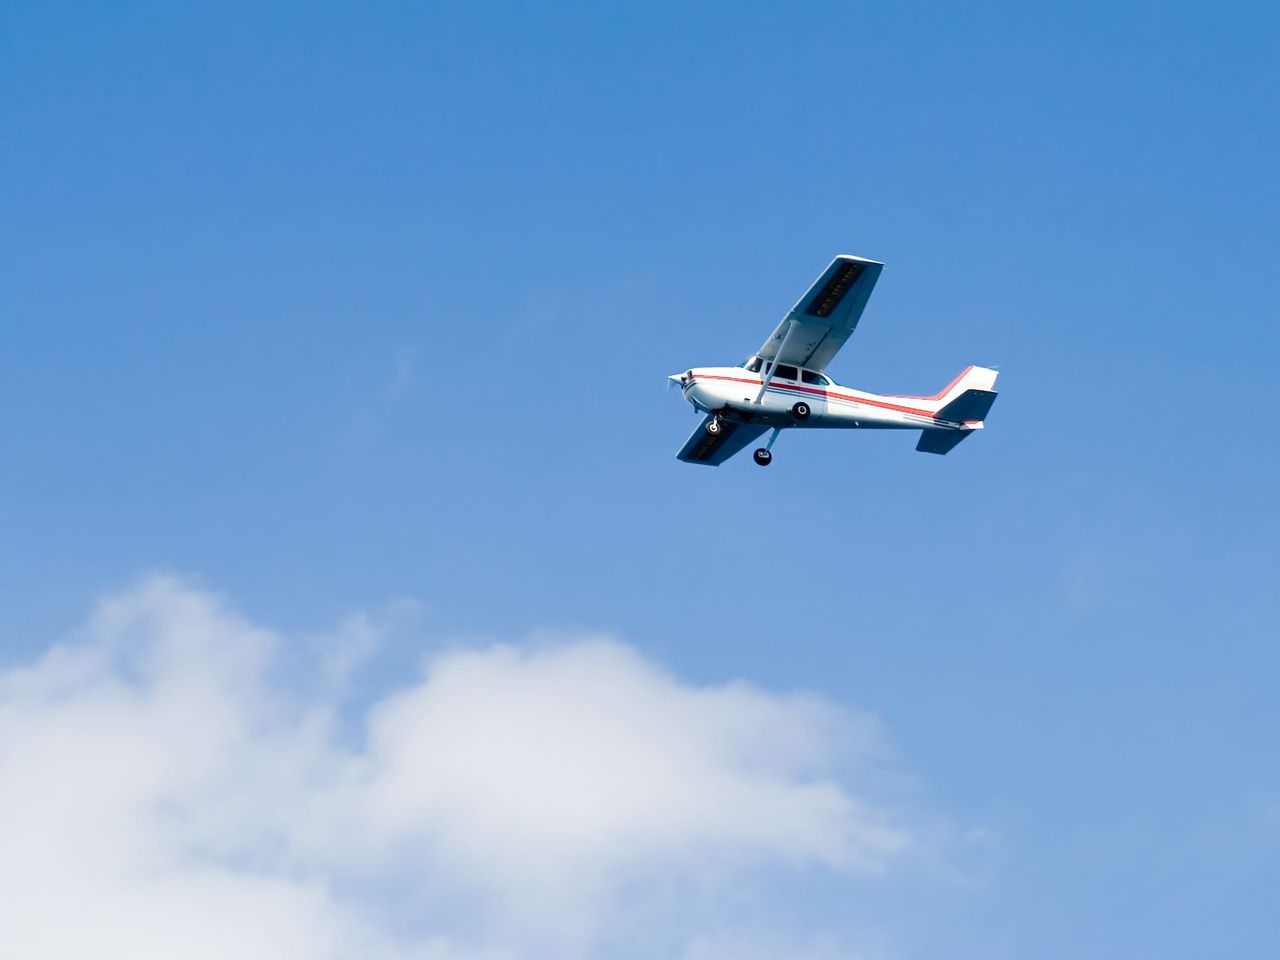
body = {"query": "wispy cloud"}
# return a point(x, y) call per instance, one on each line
point(166, 792)
point(403, 371)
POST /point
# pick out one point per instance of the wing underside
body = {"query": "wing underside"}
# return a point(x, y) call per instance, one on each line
point(703, 447)
point(819, 324)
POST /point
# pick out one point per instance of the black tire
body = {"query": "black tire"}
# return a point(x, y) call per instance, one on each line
point(801, 410)
point(715, 426)
point(763, 457)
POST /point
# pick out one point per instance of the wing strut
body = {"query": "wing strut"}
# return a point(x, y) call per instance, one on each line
point(768, 378)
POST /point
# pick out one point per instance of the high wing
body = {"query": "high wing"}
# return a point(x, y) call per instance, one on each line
point(819, 324)
point(702, 447)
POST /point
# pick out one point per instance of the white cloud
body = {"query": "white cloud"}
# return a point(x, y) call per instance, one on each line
point(168, 789)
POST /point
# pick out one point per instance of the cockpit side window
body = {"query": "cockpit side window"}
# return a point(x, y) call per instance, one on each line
point(810, 377)
point(754, 365)
point(786, 372)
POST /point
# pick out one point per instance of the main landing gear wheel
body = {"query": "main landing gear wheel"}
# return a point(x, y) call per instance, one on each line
point(801, 410)
point(715, 426)
point(763, 457)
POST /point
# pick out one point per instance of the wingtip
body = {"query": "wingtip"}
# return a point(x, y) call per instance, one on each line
point(866, 260)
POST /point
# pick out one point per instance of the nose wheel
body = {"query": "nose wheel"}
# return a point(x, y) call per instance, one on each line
point(715, 426)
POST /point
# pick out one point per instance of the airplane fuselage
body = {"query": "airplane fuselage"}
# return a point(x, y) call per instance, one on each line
point(733, 393)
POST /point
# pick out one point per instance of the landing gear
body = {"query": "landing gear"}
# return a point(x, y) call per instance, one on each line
point(800, 410)
point(715, 426)
point(763, 456)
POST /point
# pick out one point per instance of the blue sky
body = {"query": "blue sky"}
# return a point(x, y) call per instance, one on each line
point(334, 308)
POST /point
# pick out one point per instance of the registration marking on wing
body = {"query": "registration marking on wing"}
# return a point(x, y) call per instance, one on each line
point(833, 291)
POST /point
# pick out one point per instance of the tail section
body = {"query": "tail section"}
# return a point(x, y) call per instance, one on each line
point(970, 378)
point(967, 398)
point(964, 405)
point(972, 406)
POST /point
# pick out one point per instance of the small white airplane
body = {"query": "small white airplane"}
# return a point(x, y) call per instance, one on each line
point(784, 384)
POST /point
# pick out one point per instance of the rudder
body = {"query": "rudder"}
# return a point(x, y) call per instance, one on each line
point(972, 406)
point(968, 398)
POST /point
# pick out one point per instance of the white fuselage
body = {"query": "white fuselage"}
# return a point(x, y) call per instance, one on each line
point(731, 392)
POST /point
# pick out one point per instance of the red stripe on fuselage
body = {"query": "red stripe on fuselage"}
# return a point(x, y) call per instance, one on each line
point(940, 394)
point(824, 393)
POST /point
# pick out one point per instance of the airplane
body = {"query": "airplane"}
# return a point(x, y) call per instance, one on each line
point(784, 384)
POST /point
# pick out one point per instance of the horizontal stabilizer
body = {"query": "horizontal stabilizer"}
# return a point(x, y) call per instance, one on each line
point(972, 406)
point(940, 441)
